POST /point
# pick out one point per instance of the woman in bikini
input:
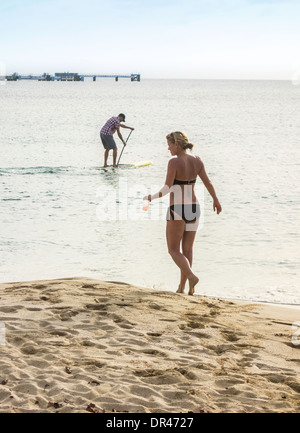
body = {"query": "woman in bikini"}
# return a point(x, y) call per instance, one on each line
point(184, 211)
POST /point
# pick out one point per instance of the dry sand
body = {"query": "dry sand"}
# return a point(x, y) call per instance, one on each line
point(78, 344)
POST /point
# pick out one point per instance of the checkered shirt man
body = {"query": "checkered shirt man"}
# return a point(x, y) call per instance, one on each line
point(111, 126)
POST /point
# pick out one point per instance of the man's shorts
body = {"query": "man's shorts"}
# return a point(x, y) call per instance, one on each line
point(108, 141)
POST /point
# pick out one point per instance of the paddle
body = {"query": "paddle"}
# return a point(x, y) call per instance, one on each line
point(124, 147)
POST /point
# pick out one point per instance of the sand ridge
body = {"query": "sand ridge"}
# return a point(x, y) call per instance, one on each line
point(84, 345)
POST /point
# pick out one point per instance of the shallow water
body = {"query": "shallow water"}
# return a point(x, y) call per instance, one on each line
point(62, 214)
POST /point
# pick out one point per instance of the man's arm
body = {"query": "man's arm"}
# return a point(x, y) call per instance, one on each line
point(120, 136)
point(127, 127)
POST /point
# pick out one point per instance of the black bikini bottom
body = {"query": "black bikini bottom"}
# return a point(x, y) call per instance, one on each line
point(189, 213)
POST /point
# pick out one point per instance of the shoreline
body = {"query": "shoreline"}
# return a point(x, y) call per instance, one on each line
point(76, 343)
point(252, 301)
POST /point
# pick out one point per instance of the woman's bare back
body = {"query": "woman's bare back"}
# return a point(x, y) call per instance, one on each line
point(188, 167)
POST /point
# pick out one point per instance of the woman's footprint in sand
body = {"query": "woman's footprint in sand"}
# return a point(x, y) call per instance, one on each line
point(122, 323)
point(97, 307)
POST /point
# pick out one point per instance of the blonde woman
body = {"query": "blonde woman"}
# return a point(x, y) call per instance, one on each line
point(184, 211)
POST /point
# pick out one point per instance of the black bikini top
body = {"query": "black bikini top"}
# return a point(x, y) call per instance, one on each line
point(183, 182)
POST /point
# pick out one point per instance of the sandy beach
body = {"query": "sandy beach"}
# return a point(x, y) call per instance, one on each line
point(84, 345)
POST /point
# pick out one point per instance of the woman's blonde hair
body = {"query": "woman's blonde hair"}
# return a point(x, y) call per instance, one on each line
point(181, 139)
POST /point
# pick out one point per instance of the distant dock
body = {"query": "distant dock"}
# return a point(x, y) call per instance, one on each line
point(70, 76)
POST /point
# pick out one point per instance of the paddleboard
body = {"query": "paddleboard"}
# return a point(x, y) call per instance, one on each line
point(136, 164)
point(133, 165)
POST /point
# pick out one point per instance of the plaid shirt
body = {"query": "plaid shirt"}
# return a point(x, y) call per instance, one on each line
point(110, 126)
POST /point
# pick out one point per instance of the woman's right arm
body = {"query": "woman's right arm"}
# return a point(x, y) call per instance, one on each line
point(171, 171)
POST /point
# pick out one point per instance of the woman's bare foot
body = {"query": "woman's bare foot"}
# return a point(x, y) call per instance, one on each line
point(180, 289)
point(192, 283)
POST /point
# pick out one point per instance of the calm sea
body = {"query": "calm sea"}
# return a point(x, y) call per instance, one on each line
point(63, 215)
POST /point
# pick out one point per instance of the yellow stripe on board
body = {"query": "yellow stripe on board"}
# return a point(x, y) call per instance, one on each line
point(136, 164)
point(142, 163)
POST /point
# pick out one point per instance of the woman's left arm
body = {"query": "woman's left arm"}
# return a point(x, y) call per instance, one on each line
point(171, 172)
point(210, 188)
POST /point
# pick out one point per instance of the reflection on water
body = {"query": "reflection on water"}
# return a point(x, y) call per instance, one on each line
point(63, 214)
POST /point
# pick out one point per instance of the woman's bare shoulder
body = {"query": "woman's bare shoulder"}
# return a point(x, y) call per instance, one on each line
point(173, 161)
point(198, 163)
point(197, 159)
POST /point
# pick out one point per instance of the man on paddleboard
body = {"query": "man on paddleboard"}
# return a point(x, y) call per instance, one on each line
point(106, 134)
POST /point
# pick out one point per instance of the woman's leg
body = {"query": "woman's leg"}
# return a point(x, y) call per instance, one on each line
point(187, 250)
point(175, 233)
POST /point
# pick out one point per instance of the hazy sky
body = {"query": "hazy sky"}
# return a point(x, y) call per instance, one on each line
point(157, 38)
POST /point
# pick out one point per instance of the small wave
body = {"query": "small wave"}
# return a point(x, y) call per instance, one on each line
point(57, 171)
point(11, 199)
point(40, 170)
point(21, 171)
point(255, 300)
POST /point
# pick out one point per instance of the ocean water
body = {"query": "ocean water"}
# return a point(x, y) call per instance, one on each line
point(63, 215)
